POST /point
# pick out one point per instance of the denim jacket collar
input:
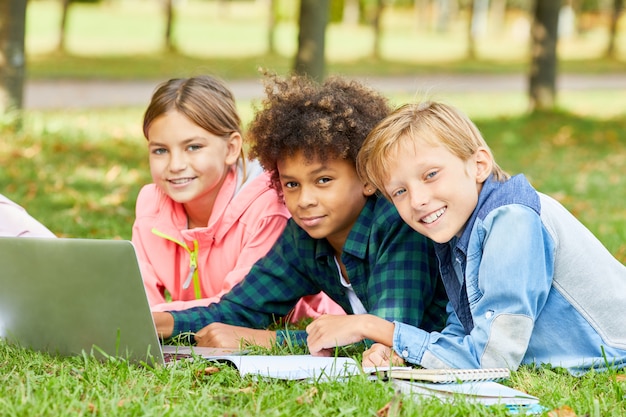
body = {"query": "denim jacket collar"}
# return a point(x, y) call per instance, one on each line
point(493, 194)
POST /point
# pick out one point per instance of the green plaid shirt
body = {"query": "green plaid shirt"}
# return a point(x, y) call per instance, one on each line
point(391, 267)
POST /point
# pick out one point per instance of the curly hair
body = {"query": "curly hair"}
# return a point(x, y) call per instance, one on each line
point(324, 121)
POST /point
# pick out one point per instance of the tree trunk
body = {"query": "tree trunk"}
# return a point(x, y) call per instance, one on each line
point(471, 38)
point(543, 32)
point(478, 19)
point(351, 13)
point(271, 27)
point(310, 58)
point(378, 13)
point(12, 59)
point(422, 15)
point(169, 24)
point(497, 13)
point(617, 10)
point(444, 15)
point(65, 7)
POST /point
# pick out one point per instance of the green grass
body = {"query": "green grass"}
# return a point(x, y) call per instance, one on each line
point(42, 385)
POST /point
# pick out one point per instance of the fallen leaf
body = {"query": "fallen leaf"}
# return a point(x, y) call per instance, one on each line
point(307, 397)
point(210, 370)
point(112, 173)
point(32, 151)
point(564, 411)
point(392, 408)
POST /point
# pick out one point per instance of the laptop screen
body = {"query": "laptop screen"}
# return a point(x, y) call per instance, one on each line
point(69, 296)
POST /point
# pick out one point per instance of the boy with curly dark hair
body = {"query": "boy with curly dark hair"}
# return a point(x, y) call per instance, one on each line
point(342, 239)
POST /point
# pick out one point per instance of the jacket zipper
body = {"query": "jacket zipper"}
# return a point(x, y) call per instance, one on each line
point(193, 275)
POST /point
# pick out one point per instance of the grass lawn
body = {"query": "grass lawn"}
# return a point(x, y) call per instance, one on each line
point(79, 172)
point(35, 384)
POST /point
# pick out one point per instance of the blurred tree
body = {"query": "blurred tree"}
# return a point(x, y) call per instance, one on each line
point(351, 12)
point(422, 14)
point(445, 13)
point(12, 56)
point(313, 19)
point(371, 15)
point(497, 12)
point(618, 5)
point(471, 34)
point(170, 15)
point(543, 33)
point(376, 24)
point(65, 7)
point(336, 9)
point(477, 24)
point(271, 26)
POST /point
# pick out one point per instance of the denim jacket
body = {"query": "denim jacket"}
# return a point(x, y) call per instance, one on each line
point(528, 284)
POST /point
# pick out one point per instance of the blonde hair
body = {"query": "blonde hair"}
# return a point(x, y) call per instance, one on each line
point(203, 99)
point(431, 122)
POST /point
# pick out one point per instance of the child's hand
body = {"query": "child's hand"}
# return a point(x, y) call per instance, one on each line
point(328, 331)
point(227, 336)
point(164, 323)
point(381, 355)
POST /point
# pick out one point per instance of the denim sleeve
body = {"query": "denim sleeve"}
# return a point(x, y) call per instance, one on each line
point(508, 274)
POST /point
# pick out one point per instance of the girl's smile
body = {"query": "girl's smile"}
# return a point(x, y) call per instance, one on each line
point(182, 181)
point(189, 163)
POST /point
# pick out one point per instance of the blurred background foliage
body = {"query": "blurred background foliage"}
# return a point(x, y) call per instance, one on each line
point(434, 34)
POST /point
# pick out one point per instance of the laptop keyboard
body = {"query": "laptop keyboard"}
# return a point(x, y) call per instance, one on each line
point(173, 357)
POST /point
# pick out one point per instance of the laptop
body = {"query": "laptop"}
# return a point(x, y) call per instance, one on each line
point(70, 296)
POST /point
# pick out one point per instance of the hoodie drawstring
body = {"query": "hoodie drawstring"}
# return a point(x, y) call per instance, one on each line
point(193, 263)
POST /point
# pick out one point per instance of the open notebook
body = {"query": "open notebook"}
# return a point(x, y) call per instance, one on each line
point(288, 367)
point(472, 385)
point(450, 375)
point(481, 392)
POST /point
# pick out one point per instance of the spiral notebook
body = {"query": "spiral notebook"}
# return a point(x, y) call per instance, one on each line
point(474, 385)
point(446, 376)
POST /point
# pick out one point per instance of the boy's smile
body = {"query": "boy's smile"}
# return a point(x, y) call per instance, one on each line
point(324, 199)
point(434, 191)
point(432, 217)
point(311, 221)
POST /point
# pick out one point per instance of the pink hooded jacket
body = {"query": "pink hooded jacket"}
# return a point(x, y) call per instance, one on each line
point(197, 266)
